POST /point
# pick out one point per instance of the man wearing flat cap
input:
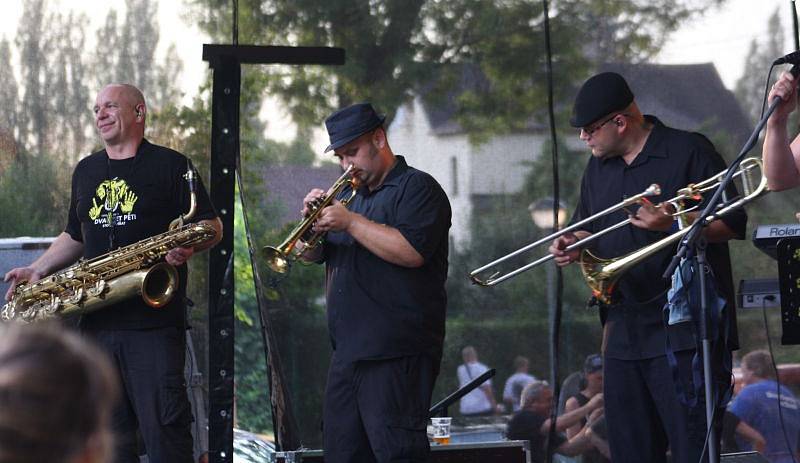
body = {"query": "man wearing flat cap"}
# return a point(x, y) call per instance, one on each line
point(647, 411)
point(386, 265)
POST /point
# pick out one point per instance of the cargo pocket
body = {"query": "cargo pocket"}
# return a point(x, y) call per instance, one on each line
point(407, 437)
point(174, 406)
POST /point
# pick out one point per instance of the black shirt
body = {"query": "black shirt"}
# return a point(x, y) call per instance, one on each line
point(673, 159)
point(527, 425)
point(144, 194)
point(381, 310)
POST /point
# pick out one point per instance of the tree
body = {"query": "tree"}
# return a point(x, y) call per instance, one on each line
point(393, 47)
point(749, 89)
point(9, 91)
point(67, 89)
point(33, 117)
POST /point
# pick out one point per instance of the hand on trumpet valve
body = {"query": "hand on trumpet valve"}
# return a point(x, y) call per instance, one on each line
point(652, 217)
point(335, 217)
point(311, 201)
point(563, 257)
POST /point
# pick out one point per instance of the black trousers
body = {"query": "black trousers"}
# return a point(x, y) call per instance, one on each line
point(644, 415)
point(377, 410)
point(154, 398)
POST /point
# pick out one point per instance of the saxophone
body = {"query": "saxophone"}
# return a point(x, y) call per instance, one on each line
point(135, 269)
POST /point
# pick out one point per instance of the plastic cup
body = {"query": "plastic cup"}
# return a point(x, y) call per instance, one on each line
point(441, 430)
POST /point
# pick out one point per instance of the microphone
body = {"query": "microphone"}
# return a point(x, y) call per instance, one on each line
point(791, 58)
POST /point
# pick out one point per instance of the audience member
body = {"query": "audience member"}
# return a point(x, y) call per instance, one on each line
point(757, 405)
point(517, 382)
point(480, 401)
point(592, 385)
point(732, 427)
point(532, 422)
point(56, 396)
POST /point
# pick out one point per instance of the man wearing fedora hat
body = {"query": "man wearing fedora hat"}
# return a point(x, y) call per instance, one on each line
point(646, 410)
point(386, 262)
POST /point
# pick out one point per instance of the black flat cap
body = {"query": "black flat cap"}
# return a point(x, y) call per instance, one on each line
point(347, 124)
point(602, 94)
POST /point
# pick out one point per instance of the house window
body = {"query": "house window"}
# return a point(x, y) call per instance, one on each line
point(454, 174)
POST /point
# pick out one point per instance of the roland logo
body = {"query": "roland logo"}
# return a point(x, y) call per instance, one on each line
point(782, 231)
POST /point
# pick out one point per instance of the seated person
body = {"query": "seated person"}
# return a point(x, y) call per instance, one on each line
point(532, 422)
point(757, 405)
point(516, 383)
point(56, 396)
point(592, 385)
point(734, 429)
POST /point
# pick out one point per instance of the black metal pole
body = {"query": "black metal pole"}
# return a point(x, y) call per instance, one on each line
point(708, 376)
point(224, 152)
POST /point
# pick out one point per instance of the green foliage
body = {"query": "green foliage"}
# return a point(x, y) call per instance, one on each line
point(750, 87)
point(31, 206)
point(396, 46)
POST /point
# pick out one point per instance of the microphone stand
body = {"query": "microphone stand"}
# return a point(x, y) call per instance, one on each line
point(693, 246)
point(440, 408)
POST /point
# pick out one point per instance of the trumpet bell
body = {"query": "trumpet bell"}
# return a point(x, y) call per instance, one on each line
point(276, 260)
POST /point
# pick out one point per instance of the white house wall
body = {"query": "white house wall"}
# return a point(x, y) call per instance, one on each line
point(410, 135)
point(501, 164)
point(496, 167)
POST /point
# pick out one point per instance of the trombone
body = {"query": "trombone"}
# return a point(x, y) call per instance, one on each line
point(602, 274)
point(496, 278)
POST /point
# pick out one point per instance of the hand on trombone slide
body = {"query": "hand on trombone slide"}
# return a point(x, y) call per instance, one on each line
point(648, 216)
point(559, 245)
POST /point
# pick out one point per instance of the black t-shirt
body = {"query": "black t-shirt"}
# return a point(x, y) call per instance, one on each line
point(673, 159)
point(377, 309)
point(527, 425)
point(143, 194)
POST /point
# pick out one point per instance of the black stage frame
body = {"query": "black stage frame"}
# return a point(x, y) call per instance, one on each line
point(226, 62)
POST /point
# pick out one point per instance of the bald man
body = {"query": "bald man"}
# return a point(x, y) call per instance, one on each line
point(127, 192)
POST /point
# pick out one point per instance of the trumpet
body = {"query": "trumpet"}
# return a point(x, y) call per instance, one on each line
point(601, 275)
point(279, 258)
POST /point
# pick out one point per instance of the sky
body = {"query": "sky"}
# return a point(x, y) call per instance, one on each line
point(188, 39)
point(721, 35)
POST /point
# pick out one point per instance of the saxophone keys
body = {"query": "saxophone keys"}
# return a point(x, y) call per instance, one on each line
point(52, 307)
point(9, 311)
point(75, 297)
point(97, 289)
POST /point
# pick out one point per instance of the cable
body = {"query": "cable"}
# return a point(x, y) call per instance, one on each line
point(777, 377)
point(766, 91)
point(235, 28)
point(555, 322)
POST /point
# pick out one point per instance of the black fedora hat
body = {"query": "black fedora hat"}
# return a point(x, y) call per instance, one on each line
point(347, 124)
point(602, 94)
